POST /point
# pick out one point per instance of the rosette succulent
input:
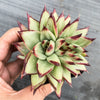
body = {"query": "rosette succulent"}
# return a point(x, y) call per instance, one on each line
point(53, 49)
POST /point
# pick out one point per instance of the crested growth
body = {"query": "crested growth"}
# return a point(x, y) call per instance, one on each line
point(53, 48)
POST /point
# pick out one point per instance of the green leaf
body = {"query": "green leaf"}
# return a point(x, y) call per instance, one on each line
point(82, 31)
point(67, 20)
point(83, 41)
point(32, 23)
point(47, 35)
point(54, 60)
point(81, 62)
point(21, 47)
point(51, 25)
point(69, 29)
point(50, 48)
point(59, 43)
point(44, 43)
point(21, 26)
point(67, 60)
point(67, 76)
point(70, 67)
point(55, 14)
point(60, 23)
point(80, 67)
point(30, 38)
point(52, 81)
point(57, 73)
point(38, 51)
point(36, 80)
point(44, 67)
point(21, 57)
point(30, 67)
point(58, 90)
point(44, 18)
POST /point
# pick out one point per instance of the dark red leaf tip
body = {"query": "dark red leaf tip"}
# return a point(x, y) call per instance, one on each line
point(67, 17)
point(76, 36)
point(50, 47)
point(91, 39)
point(62, 41)
point(55, 63)
point(70, 62)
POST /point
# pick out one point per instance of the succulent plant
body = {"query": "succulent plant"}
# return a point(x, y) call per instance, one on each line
point(53, 49)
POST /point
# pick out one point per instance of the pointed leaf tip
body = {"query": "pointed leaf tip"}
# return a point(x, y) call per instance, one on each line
point(76, 36)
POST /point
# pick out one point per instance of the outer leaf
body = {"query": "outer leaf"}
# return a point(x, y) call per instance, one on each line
point(80, 67)
point(58, 90)
point(52, 81)
point(55, 14)
point(21, 47)
point(57, 73)
point(47, 35)
point(69, 29)
point(50, 48)
point(44, 18)
point(67, 60)
point(21, 26)
point(86, 42)
point(30, 67)
point(54, 60)
point(67, 76)
point(83, 61)
point(30, 38)
point(82, 31)
point(38, 51)
point(32, 23)
point(35, 80)
point(60, 23)
point(67, 20)
point(21, 57)
point(44, 67)
point(51, 25)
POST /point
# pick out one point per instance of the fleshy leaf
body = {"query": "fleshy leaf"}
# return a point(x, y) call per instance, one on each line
point(44, 18)
point(58, 90)
point(59, 43)
point(80, 67)
point(60, 52)
point(67, 20)
point(35, 80)
point(54, 60)
point(32, 23)
point(21, 26)
point(60, 23)
point(30, 38)
point(21, 57)
point(30, 67)
point(69, 29)
point(69, 66)
point(50, 48)
point(55, 14)
point(38, 51)
point(44, 43)
point(51, 25)
point(82, 62)
point(67, 60)
point(67, 76)
point(44, 67)
point(57, 73)
point(21, 47)
point(47, 35)
point(52, 81)
point(82, 31)
point(86, 42)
